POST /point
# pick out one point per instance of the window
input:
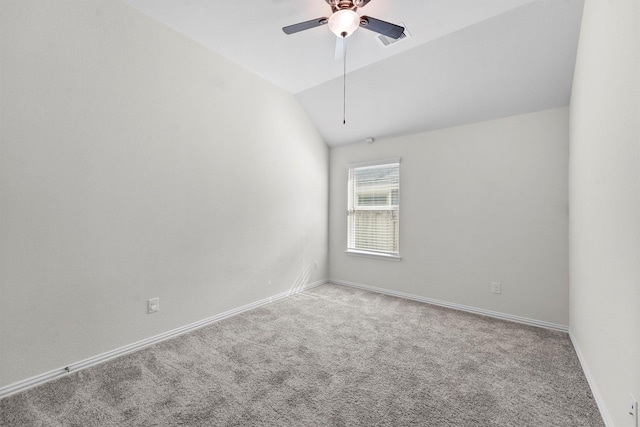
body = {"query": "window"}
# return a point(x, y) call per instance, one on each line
point(373, 208)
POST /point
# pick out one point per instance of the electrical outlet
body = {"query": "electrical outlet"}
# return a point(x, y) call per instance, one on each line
point(633, 409)
point(153, 305)
point(496, 288)
point(315, 265)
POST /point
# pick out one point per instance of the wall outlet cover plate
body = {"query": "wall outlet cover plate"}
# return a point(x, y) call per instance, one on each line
point(153, 305)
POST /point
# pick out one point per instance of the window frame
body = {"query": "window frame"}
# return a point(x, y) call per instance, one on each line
point(389, 256)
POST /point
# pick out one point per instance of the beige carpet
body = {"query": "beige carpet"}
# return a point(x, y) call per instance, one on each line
point(332, 356)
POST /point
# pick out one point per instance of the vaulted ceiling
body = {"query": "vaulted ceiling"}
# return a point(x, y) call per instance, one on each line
point(464, 60)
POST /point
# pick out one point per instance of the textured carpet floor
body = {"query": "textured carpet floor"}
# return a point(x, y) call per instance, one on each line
point(331, 356)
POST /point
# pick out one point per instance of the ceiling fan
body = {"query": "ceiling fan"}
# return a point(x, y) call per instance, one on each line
point(344, 21)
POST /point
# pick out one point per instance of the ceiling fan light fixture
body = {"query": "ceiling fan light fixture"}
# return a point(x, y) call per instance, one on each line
point(344, 22)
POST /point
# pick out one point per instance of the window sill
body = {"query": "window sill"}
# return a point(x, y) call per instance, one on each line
point(374, 255)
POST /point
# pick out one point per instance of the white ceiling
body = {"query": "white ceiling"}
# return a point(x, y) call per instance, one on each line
point(465, 60)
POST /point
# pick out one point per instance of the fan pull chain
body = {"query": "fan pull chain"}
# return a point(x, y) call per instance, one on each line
point(344, 80)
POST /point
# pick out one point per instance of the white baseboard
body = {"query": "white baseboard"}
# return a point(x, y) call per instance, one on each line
point(606, 417)
point(57, 373)
point(469, 309)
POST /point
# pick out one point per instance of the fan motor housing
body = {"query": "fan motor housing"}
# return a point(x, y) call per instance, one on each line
point(337, 5)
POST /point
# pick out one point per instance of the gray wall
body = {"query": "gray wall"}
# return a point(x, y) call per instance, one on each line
point(478, 203)
point(137, 164)
point(605, 204)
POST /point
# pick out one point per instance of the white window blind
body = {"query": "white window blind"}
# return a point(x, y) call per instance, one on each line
point(373, 207)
